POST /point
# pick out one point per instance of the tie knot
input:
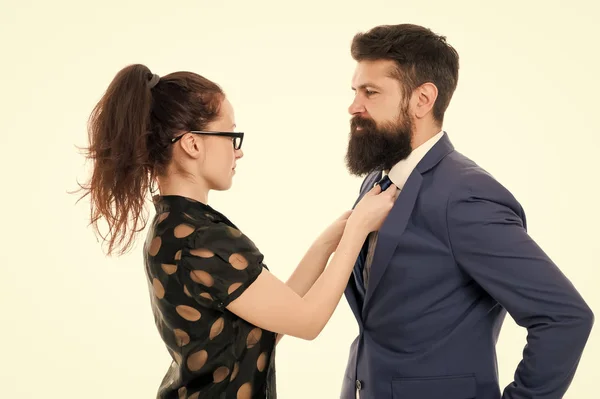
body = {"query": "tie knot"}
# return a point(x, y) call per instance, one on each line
point(385, 182)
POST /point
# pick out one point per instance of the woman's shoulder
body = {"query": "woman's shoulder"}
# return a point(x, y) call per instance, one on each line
point(200, 230)
point(218, 235)
point(194, 227)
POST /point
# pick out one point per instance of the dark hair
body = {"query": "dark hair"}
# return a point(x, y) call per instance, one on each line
point(420, 55)
point(130, 132)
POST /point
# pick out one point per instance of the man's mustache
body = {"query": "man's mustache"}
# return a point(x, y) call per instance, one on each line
point(359, 121)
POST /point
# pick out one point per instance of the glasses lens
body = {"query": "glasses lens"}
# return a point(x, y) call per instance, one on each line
point(236, 143)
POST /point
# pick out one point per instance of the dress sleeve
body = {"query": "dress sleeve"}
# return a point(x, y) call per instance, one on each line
point(219, 265)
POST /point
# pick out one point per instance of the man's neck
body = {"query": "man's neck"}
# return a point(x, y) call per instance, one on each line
point(421, 135)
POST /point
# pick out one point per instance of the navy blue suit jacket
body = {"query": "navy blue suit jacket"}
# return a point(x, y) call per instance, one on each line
point(451, 259)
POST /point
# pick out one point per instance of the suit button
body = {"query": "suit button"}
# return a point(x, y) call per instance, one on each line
point(358, 385)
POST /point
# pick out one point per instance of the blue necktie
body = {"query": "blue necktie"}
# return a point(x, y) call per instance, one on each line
point(385, 182)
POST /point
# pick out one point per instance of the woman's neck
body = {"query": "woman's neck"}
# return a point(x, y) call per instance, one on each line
point(177, 185)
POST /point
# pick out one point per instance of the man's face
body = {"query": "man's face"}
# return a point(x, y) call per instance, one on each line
point(381, 127)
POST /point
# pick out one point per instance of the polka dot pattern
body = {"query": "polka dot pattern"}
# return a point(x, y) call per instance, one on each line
point(253, 337)
point(238, 261)
point(183, 230)
point(245, 391)
point(216, 328)
point(182, 338)
point(202, 277)
point(234, 232)
point(197, 360)
point(206, 295)
point(188, 313)
point(159, 290)
point(155, 246)
point(233, 287)
point(202, 253)
point(168, 269)
point(196, 265)
point(220, 374)
point(236, 370)
point(261, 363)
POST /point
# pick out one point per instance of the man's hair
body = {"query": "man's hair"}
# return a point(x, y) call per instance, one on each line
point(420, 56)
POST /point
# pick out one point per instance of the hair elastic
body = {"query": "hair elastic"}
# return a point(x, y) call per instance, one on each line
point(153, 81)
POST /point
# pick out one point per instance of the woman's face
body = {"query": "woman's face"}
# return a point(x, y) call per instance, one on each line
point(220, 156)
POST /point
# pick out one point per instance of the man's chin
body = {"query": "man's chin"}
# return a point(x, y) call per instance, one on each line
point(359, 170)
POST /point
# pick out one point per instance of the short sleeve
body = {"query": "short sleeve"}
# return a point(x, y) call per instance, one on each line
point(219, 265)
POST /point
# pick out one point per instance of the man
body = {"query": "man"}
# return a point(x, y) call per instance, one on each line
point(431, 289)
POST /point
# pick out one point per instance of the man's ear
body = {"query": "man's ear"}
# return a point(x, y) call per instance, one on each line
point(424, 98)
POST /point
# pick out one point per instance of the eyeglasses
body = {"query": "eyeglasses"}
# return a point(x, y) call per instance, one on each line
point(238, 137)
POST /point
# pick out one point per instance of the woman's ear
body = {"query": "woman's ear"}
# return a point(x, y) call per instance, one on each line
point(192, 145)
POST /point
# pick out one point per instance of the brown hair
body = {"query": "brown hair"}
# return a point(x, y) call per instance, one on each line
point(420, 55)
point(130, 132)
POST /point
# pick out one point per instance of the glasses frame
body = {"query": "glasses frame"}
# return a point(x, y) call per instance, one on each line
point(238, 135)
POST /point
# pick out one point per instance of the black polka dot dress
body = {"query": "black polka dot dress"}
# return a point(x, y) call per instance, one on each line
point(197, 262)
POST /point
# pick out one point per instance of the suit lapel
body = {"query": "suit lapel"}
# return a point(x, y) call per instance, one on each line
point(391, 231)
point(368, 184)
point(396, 222)
point(355, 292)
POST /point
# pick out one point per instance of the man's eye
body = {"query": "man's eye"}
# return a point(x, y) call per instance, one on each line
point(370, 92)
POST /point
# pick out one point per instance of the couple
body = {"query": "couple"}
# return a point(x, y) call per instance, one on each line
point(432, 256)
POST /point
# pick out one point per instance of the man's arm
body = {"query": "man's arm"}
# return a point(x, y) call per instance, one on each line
point(489, 240)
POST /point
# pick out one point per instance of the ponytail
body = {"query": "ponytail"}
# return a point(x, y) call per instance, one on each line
point(118, 132)
point(130, 132)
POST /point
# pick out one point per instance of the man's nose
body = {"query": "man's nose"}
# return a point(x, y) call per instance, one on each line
point(356, 108)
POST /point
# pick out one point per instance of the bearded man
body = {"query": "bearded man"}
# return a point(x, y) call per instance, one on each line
point(432, 287)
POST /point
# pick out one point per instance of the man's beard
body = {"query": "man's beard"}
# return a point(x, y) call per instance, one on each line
point(373, 149)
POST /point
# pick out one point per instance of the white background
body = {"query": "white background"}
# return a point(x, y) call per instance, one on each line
point(78, 324)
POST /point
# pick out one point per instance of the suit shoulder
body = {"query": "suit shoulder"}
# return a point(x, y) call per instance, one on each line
point(459, 170)
point(459, 167)
point(468, 179)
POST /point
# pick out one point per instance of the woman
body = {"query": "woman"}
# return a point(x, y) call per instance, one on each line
point(216, 305)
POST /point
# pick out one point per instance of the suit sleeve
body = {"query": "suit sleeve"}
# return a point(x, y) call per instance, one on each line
point(486, 226)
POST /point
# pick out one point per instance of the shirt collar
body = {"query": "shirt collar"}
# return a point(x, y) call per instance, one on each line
point(402, 170)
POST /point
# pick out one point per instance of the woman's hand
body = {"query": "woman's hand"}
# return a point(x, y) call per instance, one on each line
point(372, 210)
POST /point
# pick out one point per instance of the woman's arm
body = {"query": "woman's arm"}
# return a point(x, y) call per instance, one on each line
point(310, 268)
point(230, 274)
point(308, 271)
point(272, 305)
point(314, 261)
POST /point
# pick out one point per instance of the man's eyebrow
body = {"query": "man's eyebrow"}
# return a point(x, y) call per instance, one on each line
point(365, 85)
